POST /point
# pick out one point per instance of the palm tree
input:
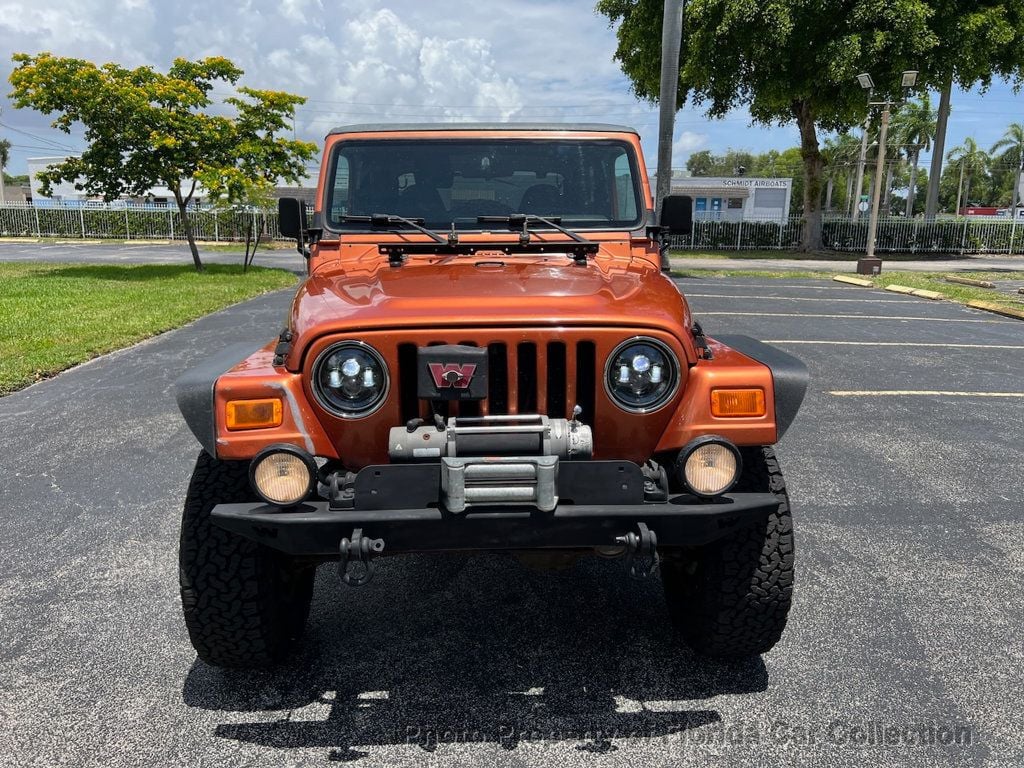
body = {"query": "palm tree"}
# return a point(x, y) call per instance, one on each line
point(914, 128)
point(974, 161)
point(1012, 146)
point(5, 157)
point(840, 154)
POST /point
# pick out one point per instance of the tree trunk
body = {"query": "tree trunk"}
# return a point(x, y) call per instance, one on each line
point(849, 192)
point(811, 155)
point(967, 191)
point(913, 187)
point(828, 195)
point(931, 205)
point(186, 224)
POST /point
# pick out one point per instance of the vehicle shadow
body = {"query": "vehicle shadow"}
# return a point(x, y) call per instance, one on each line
point(477, 650)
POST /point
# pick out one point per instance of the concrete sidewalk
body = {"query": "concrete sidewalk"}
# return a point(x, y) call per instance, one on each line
point(963, 264)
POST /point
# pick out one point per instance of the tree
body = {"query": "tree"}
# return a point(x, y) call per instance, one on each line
point(973, 162)
point(803, 71)
point(1012, 148)
point(145, 128)
point(840, 155)
point(976, 43)
point(5, 158)
point(701, 163)
point(913, 127)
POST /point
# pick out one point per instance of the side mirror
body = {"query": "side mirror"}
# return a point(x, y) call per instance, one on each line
point(291, 218)
point(676, 215)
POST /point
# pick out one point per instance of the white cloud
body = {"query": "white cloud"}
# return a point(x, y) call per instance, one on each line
point(685, 144)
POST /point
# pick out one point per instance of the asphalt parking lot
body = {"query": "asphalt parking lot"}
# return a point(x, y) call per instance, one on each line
point(905, 469)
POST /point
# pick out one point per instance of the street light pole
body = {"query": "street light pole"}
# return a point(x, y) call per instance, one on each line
point(870, 265)
point(876, 196)
point(671, 39)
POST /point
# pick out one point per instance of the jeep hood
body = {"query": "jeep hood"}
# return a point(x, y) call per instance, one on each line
point(459, 293)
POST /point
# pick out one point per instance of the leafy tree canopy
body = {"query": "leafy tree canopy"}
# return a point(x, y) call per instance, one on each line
point(796, 60)
point(145, 128)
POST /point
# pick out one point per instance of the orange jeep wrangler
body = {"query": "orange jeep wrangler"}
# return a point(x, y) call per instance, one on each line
point(487, 355)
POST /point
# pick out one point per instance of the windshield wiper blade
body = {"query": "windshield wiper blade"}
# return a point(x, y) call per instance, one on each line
point(390, 220)
point(525, 219)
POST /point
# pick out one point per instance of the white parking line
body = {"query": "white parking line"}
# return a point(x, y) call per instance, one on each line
point(712, 282)
point(919, 392)
point(795, 298)
point(894, 344)
point(858, 317)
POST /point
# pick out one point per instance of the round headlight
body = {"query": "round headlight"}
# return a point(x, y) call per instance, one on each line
point(710, 466)
point(641, 375)
point(282, 475)
point(350, 379)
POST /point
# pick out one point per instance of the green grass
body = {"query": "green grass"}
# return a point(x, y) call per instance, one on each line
point(935, 281)
point(54, 316)
point(777, 255)
point(932, 281)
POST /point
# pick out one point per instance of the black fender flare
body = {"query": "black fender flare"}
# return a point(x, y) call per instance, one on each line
point(789, 376)
point(194, 391)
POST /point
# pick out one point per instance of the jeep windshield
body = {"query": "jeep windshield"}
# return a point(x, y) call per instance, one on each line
point(467, 183)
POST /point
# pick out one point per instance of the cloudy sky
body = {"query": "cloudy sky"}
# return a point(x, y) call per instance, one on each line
point(396, 60)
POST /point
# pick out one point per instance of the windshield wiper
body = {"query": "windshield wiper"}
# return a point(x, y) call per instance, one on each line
point(522, 221)
point(390, 220)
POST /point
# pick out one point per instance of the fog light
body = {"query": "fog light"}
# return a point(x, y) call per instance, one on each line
point(282, 475)
point(709, 466)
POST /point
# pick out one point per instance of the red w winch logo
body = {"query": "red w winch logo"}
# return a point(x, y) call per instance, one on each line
point(452, 375)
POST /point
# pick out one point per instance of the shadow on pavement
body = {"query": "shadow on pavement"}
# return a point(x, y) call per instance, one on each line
point(480, 650)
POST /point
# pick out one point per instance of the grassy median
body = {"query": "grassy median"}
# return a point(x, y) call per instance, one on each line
point(54, 316)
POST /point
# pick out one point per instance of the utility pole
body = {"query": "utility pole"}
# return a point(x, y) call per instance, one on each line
point(671, 39)
point(877, 194)
point(3, 192)
point(869, 264)
point(855, 213)
point(931, 206)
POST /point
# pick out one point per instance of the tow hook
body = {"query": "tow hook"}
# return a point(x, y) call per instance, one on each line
point(355, 564)
point(641, 551)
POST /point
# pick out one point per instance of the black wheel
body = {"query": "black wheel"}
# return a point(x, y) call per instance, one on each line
point(244, 604)
point(731, 598)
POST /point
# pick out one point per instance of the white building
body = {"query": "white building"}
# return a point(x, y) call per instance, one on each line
point(739, 198)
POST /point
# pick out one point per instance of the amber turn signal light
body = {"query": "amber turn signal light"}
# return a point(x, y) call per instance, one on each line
point(737, 402)
point(253, 414)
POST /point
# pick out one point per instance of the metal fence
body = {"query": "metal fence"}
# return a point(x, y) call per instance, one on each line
point(968, 235)
point(119, 221)
point(133, 222)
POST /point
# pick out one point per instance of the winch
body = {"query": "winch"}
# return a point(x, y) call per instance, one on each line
point(519, 435)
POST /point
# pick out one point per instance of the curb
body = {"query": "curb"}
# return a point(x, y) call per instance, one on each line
point(920, 292)
point(999, 309)
point(20, 240)
point(148, 242)
point(969, 281)
point(853, 281)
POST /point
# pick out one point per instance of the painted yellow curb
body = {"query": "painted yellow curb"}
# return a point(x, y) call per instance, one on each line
point(147, 242)
point(998, 309)
point(900, 289)
point(76, 242)
point(970, 281)
point(926, 294)
point(20, 240)
point(853, 281)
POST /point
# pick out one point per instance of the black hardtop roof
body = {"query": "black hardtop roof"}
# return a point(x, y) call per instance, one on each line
point(454, 127)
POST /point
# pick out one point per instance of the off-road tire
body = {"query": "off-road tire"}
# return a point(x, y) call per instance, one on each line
point(244, 604)
point(731, 598)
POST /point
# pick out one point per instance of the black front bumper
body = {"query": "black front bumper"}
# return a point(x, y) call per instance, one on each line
point(314, 529)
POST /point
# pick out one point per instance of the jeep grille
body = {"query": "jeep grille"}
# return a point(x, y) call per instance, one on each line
point(527, 377)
